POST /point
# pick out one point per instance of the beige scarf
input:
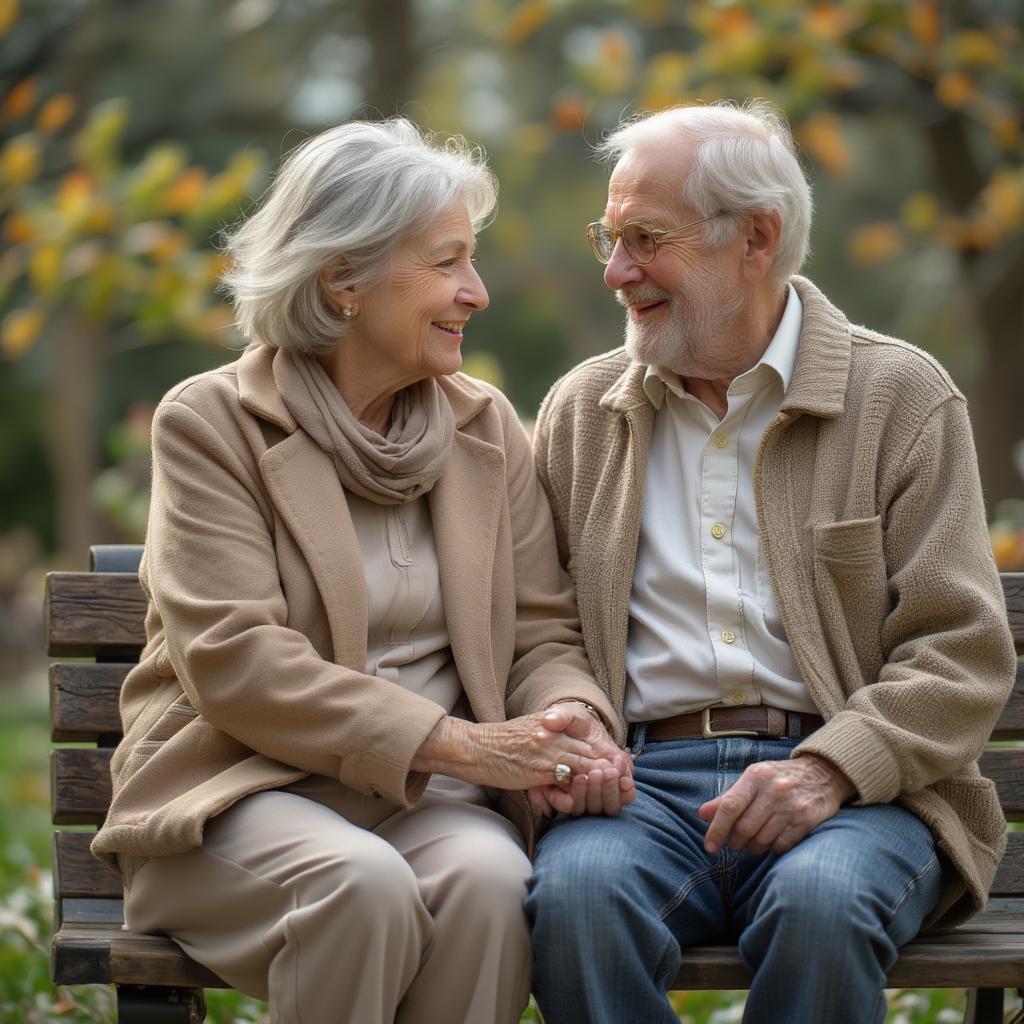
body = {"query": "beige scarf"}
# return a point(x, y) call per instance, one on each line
point(389, 469)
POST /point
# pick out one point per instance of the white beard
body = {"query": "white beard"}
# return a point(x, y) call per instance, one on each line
point(689, 339)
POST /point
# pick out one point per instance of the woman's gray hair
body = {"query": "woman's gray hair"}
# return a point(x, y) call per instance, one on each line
point(344, 200)
point(744, 160)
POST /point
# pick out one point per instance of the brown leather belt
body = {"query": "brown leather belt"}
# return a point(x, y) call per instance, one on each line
point(750, 720)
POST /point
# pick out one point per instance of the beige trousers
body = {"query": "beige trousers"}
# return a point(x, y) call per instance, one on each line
point(342, 909)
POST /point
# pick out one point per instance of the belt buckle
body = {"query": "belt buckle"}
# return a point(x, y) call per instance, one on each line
point(712, 734)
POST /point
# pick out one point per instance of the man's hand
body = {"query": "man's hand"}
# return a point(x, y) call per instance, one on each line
point(601, 791)
point(774, 804)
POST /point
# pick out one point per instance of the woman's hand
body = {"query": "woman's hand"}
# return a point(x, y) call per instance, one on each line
point(600, 791)
point(517, 754)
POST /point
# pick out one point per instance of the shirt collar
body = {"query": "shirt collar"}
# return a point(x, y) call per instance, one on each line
point(780, 355)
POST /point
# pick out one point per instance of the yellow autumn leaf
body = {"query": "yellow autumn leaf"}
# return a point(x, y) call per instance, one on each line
point(185, 193)
point(1004, 546)
point(875, 243)
point(44, 268)
point(20, 329)
point(18, 229)
point(169, 246)
point(569, 112)
point(1002, 199)
point(1005, 126)
point(828, 22)
point(98, 143)
point(20, 160)
point(101, 218)
point(822, 136)
point(923, 22)
point(973, 48)
point(55, 113)
point(20, 100)
point(969, 233)
point(525, 20)
point(74, 198)
point(920, 212)
point(955, 89)
point(8, 15)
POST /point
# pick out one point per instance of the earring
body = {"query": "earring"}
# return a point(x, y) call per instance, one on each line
point(347, 312)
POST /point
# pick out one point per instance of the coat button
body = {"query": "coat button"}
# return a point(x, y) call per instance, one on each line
point(376, 793)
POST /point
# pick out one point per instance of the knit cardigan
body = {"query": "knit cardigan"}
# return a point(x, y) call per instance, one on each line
point(871, 520)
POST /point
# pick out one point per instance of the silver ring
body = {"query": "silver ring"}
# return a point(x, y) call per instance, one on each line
point(563, 773)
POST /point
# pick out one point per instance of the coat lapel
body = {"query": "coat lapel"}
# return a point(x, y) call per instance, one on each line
point(304, 487)
point(465, 506)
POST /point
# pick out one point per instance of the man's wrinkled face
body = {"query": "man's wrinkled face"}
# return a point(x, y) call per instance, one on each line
point(680, 307)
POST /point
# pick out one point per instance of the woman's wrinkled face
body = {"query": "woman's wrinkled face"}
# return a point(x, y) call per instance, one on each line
point(412, 321)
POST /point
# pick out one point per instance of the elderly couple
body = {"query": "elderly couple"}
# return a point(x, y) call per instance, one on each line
point(427, 718)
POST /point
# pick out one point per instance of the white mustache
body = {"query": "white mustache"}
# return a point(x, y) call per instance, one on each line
point(640, 297)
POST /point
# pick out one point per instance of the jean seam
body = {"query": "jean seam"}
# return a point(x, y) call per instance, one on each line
point(673, 904)
point(911, 884)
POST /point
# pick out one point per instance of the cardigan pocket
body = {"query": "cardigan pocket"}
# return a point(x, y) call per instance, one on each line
point(852, 588)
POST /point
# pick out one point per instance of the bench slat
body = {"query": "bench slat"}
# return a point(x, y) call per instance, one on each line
point(1013, 591)
point(1005, 766)
point(84, 700)
point(89, 613)
point(1011, 719)
point(77, 874)
point(102, 953)
point(92, 911)
point(1009, 880)
point(80, 785)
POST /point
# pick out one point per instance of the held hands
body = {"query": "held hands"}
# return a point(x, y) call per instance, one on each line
point(602, 790)
point(518, 754)
point(774, 804)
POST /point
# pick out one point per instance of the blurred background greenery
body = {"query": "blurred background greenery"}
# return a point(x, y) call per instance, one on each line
point(132, 131)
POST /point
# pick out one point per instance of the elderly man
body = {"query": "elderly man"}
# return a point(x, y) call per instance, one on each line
point(776, 529)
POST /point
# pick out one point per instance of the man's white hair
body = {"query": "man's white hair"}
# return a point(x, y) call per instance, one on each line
point(744, 160)
point(342, 201)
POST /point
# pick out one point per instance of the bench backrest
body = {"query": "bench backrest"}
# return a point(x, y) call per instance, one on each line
point(99, 615)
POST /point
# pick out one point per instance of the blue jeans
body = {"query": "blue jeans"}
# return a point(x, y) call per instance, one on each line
point(615, 902)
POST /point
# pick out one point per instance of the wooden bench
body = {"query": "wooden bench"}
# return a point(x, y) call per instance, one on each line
point(99, 615)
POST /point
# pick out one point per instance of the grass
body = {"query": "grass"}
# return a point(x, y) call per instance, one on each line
point(28, 997)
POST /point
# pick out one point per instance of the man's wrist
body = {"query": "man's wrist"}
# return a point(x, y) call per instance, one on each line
point(845, 790)
point(589, 707)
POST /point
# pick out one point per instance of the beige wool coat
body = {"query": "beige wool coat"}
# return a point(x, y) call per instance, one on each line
point(253, 671)
point(872, 525)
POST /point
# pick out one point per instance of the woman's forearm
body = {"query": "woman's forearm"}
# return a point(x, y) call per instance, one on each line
point(450, 749)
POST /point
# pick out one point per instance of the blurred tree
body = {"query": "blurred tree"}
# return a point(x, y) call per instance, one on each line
point(96, 248)
point(950, 74)
point(893, 100)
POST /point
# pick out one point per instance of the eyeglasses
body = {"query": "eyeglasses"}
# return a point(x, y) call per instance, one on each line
point(641, 240)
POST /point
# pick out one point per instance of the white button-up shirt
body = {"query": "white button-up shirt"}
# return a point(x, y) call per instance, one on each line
point(704, 627)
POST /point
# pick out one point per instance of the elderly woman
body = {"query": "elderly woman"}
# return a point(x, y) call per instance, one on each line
point(357, 620)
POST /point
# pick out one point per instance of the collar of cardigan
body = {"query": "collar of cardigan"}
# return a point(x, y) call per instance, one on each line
point(822, 368)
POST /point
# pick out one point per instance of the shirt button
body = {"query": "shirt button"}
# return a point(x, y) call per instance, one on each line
point(738, 697)
point(718, 531)
point(728, 636)
point(722, 441)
